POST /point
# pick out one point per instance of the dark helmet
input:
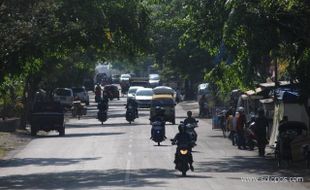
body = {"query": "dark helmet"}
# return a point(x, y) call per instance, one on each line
point(189, 113)
point(181, 128)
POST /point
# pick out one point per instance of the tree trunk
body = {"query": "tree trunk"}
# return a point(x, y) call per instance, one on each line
point(307, 108)
point(27, 102)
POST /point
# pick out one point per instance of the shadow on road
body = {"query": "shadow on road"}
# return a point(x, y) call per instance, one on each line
point(71, 135)
point(90, 179)
point(17, 162)
point(251, 165)
point(84, 125)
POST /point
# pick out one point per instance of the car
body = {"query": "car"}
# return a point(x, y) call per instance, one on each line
point(112, 90)
point(64, 96)
point(154, 80)
point(81, 94)
point(132, 91)
point(144, 97)
point(116, 79)
point(125, 77)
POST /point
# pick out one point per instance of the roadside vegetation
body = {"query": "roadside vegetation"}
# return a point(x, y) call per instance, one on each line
point(230, 44)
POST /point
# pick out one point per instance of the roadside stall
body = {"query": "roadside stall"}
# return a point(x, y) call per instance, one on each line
point(287, 105)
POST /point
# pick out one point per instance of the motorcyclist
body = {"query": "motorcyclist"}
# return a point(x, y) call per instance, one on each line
point(103, 104)
point(202, 101)
point(98, 90)
point(97, 93)
point(189, 119)
point(160, 117)
point(105, 96)
point(182, 139)
point(134, 104)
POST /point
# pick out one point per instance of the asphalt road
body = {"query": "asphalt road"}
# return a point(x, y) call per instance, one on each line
point(118, 155)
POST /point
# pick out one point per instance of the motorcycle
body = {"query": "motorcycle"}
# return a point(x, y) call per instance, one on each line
point(97, 98)
point(130, 114)
point(102, 114)
point(158, 131)
point(78, 109)
point(190, 129)
point(182, 158)
point(204, 110)
point(251, 140)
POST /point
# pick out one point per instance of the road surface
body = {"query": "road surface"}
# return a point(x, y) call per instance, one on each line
point(118, 155)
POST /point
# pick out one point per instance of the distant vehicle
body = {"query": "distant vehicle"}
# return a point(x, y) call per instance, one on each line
point(154, 80)
point(112, 91)
point(64, 96)
point(165, 90)
point(47, 116)
point(166, 102)
point(116, 79)
point(81, 94)
point(203, 89)
point(103, 74)
point(125, 82)
point(125, 77)
point(139, 81)
point(103, 79)
point(144, 97)
point(88, 84)
point(132, 91)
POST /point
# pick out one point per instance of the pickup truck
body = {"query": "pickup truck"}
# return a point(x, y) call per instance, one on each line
point(47, 116)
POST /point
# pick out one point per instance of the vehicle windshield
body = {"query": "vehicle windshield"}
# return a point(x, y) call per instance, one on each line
point(63, 92)
point(125, 76)
point(132, 91)
point(154, 77)
point(144, 93)
point(77, 90)
point(162, 102)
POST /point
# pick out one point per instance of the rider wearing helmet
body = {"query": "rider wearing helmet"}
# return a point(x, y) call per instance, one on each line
point(189, 119)
point(159, 116)
point(134, 104)
point(182, 139)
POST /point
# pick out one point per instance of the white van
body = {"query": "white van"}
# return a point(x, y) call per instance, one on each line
point(64, 96)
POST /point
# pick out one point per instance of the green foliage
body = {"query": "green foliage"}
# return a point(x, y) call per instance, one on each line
point(251, 34)
point(176, 53)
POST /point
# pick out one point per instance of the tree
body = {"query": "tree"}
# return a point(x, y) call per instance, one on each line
point(41, 38)
point(175, 52)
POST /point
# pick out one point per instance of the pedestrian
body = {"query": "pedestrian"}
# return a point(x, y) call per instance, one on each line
point(233, 129)
point(261, 127)
point(241, 122)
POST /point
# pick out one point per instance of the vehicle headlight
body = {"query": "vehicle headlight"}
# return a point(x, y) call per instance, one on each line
point(183, 152)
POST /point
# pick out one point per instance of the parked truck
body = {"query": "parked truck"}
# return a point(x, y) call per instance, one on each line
point(47, 116)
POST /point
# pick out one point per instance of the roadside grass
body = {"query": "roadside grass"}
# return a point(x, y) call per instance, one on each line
point(11, 141)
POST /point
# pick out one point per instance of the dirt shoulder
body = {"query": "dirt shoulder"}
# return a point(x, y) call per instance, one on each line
point(10, 141)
